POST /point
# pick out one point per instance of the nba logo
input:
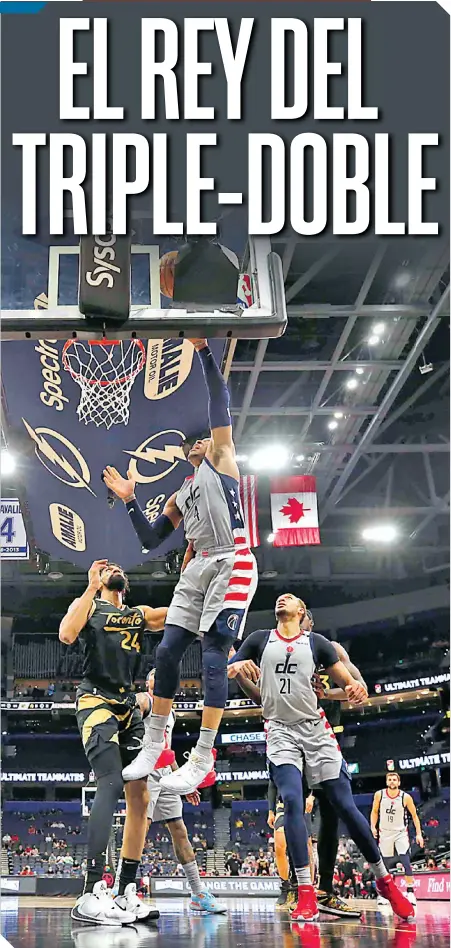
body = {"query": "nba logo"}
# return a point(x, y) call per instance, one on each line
point(390, 765)
point(245, 290)
point(378, 689)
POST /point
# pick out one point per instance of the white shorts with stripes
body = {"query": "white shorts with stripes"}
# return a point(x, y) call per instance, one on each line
point(215, 586)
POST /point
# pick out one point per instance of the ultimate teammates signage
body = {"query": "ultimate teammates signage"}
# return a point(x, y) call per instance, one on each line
point(427, 760)
point(44, 777)
point(14, 544)
point(411, 684)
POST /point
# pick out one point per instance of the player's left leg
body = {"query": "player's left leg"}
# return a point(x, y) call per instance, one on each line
point(328, 837)
point(288, 780)
point(282, 862)
point(135, 827)
point(404, 859)
point(338, 792)
point(202, 900)
point(228, 585)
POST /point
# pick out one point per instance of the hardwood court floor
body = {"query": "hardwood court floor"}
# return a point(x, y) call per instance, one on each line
point(250, 923)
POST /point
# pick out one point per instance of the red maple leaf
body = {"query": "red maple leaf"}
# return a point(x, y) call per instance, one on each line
point(294, 510)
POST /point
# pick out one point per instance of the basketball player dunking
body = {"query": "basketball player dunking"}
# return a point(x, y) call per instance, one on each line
point(112, 731)
point(300, 740)
point(389, 817)
point(215, 588)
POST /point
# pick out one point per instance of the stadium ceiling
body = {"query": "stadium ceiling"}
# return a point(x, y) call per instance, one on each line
point(367, 349)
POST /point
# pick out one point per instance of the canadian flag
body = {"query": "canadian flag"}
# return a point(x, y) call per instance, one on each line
point(294, 511)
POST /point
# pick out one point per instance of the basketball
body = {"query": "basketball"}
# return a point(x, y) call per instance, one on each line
point(167, 266)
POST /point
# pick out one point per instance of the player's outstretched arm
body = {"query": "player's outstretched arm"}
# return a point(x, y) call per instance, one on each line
point(222, 452)
point(153, 534)
point(154, 618)
point(80, 610)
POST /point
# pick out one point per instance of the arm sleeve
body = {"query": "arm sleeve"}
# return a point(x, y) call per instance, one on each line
point(151, 535)
point(272, 795)
point(324, 652)
point(219, 398)
point(252, 647)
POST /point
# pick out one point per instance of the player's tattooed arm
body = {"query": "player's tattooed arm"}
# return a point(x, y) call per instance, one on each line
point(222, 450)
point(81, 609)
point(154, 618)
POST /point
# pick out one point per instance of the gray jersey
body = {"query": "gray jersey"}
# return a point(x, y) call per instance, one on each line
point(211, 508)
point(287, 667)
point(392, 814)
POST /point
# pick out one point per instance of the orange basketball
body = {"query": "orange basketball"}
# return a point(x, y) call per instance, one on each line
point(167, 266)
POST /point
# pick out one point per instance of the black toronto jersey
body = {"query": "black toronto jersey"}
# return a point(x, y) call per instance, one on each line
point(287, 667)
point(332, 709)
point(112, 642)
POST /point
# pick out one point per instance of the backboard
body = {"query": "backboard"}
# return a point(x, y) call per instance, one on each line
point(259, 312)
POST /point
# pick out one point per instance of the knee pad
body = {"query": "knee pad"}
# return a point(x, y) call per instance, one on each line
point(167, 675)
point(214, 664)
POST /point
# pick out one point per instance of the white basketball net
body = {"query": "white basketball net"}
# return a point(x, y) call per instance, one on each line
point(105, 373)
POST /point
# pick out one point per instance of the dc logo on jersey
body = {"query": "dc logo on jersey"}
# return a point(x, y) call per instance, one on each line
point(232, 622)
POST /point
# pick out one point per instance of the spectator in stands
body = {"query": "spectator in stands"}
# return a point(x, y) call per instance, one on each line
point(239, 824)
point(27, 871)
point(431, 863)
point(233, 864)
point(6, 840)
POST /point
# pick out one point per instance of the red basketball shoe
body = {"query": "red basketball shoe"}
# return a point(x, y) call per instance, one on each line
point(388, 889)
point(306, 909)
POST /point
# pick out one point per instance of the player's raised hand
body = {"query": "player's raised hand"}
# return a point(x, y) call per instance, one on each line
point(94, 573)
point(356, 692)
point(193, 798)
point(199, 343)
point(123, 487)
point(318, 686)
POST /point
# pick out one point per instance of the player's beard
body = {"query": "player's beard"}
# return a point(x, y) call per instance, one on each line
point(117, 582)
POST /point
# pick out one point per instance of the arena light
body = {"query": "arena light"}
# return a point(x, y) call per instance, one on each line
point(8, 463)
point(271, 537)
point(300, 457)
point(272, 458)
point(351, 384)
point(359, 370)
point(338, 414)
point(380, 533)
point(374, 340)
point(332, 425)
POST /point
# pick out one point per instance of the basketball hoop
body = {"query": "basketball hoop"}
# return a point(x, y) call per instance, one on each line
point(105, 371)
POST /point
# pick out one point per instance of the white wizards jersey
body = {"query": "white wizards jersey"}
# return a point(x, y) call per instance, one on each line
point(392, 815)
point(211, 508)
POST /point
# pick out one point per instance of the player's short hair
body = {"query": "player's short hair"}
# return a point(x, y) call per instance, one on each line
point(191, 439)
point(392, 773)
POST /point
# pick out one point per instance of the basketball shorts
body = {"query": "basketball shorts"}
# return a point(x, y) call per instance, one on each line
point(164, 805)
point(280, 823)
point(103, 722)
point(215, 588)
point(311, 746)
point(391, 844)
